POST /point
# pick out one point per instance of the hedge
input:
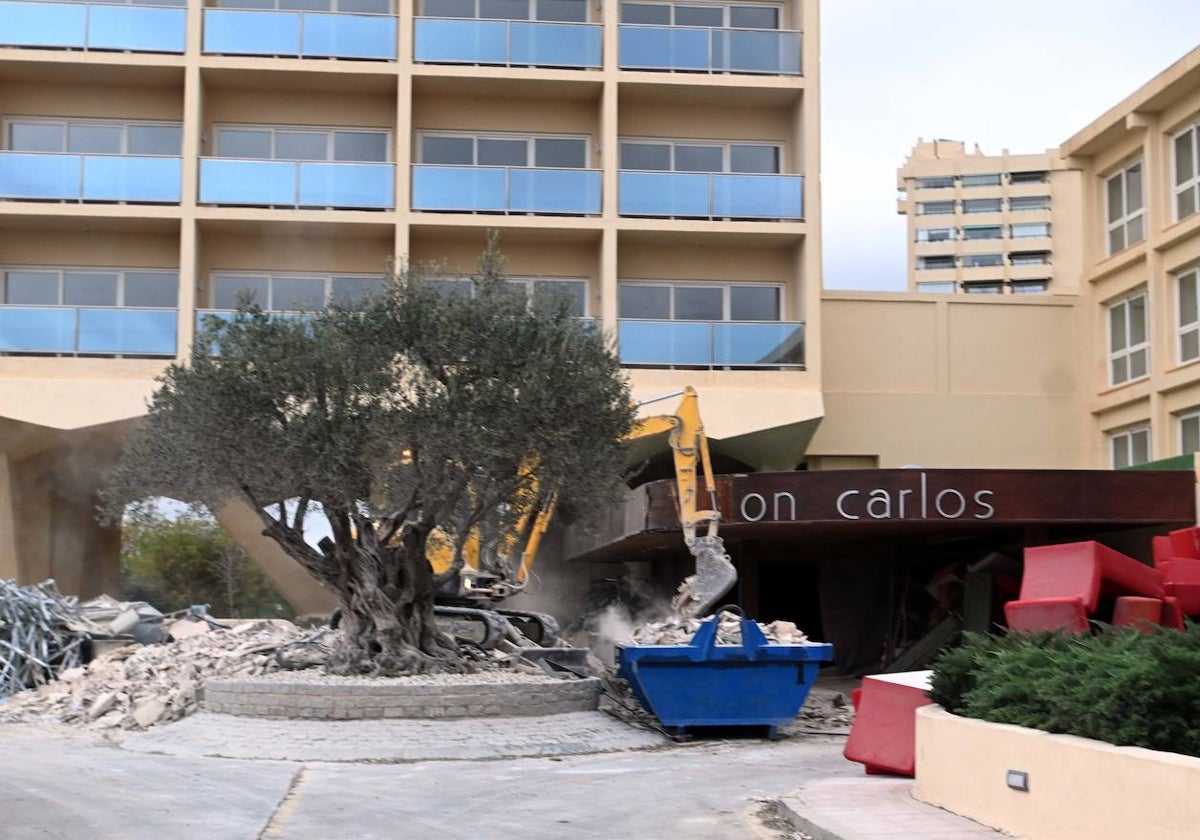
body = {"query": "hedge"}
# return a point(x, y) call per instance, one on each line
point(1117, 685)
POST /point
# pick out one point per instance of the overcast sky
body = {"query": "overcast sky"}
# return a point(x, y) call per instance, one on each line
point(1018, 74)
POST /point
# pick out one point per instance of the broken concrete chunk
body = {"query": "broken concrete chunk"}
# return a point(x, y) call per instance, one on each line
point(149, 712)
point(186, 627)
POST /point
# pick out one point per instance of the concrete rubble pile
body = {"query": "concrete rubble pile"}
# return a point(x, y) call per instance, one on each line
point(136, 687)
point(37, 637)
point(679, 631)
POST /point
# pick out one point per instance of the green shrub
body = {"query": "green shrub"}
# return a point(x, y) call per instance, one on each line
point(1117, 685)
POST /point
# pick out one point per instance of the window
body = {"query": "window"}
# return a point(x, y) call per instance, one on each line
point(1029, 287)
point(1189, 432)
point(1189, 315)
point(981, 205)
point(1027, 178)
point(290, 292)
point(302, 143)
point(1128, 341)
point(982, 260)
point(700, 156)
point(1023, 203)
point(542, 291)
point(749, 16)
point(935, 235)
point(984, 287)
point(947, 287)
point(939, 182)
point(1027, 231)
point(571, 11)
point(699, 302)
point(935, 208)
point(505, 150)
point(1130, 447)
point(1030, 257)
point(1187, 172)
point(378, 7)
point(1126, 209)
point(145, 288)
point(940, 261)
point(95, 137)
point(981, 180)
point(983, 232)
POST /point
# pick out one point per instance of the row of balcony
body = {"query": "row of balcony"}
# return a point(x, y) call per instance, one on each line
point(300, 34)
point(371, 186)
point(121, 331)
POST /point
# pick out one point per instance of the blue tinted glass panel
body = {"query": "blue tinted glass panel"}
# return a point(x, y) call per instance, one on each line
point(460, 41)
point(124, 178)
point(39, 176)
point(349, 36)
point(751, 51)
point(664, 47)
point(554, 191)
point(32, 330)
point(347, 185)
point(555, 45)
point(247, 182)
point(236, 32)
point(138, 28)
point(458, 188)
point(141, 332)
point(758, 196)
point(42, 24)
point(758, 344)
point(664, 343)
point(663, 194)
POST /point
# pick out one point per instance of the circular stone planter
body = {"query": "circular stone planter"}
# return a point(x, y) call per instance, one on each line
point(313, 696)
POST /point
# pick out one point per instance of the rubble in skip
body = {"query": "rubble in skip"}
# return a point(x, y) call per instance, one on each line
point(677, 630)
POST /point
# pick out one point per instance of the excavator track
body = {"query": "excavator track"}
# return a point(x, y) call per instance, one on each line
point(485, 629)
point(539, 628)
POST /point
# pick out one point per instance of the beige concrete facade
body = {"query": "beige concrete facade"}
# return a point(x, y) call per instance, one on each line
point(989, 224)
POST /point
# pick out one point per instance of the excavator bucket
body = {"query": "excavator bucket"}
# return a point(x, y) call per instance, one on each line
point(715, 575)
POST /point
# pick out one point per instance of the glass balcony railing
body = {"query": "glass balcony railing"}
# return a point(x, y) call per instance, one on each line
point(77, 330)
point(759, 344)
point(705, 195)
point(300, 34)
point(92, 26)
point(62, 177)
point(709, 50)
point(506, 42)
point(292, 183)
point(506, 189)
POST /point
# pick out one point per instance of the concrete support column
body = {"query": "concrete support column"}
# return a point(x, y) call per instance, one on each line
point(608, 279)
point(8, 524)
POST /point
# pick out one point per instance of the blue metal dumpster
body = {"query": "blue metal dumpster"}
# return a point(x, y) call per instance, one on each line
point(703, 683)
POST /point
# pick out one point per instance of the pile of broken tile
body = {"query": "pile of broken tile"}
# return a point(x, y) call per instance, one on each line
point(135, 687)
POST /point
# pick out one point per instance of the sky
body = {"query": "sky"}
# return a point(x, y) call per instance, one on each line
point(1018, 74)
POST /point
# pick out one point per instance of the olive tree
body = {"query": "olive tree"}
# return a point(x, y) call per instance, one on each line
point(398, 414)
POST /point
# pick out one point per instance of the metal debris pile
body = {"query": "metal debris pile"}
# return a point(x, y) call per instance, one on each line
point(136, 687)
point(37, 641)
point(679, 631)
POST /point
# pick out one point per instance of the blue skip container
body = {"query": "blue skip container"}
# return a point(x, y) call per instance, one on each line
point(703, 683)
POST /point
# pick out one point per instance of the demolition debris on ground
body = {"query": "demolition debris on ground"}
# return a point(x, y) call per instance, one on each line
point(679, 631)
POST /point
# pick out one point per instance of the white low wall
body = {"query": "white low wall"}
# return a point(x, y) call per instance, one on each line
point(1078, 788)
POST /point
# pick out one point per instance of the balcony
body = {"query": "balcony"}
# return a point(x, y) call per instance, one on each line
point(293, 183)
point(709, 50)
point(704, 195)
point(506, 189)
point(507, 43)
point(92, 26)
point(300, 34)
point(99, 331)
point(711, 344)
point(42, 176)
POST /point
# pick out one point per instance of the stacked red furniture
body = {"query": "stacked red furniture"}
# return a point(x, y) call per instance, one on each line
point(883, 737)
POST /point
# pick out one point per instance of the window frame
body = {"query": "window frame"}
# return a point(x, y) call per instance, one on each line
point(67, 122)
point(1125, 434)
point(999, 180)
point(1181, 418)
point(952, 234)
point(1127, 218)
point(530, 148)
point(983, 287)
point(725, 7)
point(1191, 184)
point(1129, 349)
point(725, 286)
point(328, 130)
point(1044, 234)
point(333, 9)
point(923, 258)
point(968, 260)
point(1026, 287)
point(1193, 326)
point(999, 208)
point(60, 286)
point(1015, 200)
point(921, 205)
point(726, 153)
point(944, 291)
point(327, 276)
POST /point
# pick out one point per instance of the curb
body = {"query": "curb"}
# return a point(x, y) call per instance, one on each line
point(789, 809)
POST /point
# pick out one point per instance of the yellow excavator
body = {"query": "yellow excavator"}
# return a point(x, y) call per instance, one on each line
point(490, 574)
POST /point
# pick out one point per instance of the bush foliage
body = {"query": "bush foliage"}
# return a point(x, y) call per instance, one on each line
point(1118, 685)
